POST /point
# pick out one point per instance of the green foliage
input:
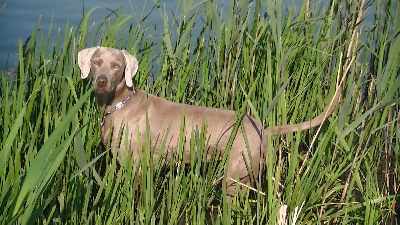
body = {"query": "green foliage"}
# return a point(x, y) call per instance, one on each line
point(277, 65)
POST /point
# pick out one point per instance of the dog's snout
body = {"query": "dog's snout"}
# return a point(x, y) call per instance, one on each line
point(101, 81)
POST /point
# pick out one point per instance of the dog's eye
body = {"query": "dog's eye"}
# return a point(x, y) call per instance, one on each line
point(95, 62)
point(115, 65)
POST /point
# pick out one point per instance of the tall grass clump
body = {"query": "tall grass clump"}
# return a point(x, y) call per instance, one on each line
point(281, 65)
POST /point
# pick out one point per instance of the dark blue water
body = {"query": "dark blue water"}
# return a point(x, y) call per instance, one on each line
point(18, 18)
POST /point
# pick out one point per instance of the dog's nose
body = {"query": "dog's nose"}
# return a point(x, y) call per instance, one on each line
point(101, 81)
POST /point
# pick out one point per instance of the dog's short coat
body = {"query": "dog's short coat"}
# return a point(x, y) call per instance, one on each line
point(126, 108)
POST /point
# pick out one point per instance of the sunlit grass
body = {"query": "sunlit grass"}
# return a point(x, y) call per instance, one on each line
point(279, 66)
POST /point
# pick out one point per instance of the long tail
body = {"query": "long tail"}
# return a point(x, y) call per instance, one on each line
point(284, 129)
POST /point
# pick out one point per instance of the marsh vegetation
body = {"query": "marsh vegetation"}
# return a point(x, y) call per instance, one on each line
point(281, 66)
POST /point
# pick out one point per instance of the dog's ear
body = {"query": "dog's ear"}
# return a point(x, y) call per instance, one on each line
point(131, 68)
point(84, 57)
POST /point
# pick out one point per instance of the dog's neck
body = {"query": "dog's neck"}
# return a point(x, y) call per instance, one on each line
point(109, 100)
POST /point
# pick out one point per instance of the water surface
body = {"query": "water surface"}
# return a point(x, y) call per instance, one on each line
point(18, 19)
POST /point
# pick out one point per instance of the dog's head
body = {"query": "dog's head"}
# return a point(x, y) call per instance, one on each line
point(108, 67)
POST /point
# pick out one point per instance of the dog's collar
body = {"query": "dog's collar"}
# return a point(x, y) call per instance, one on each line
point(117, 106)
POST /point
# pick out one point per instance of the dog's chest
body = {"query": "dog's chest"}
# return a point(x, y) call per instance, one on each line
point(118, 127)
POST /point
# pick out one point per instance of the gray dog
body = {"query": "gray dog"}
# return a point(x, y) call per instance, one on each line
point(112, 71)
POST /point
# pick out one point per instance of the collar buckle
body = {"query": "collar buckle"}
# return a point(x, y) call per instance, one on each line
point(117, 106)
